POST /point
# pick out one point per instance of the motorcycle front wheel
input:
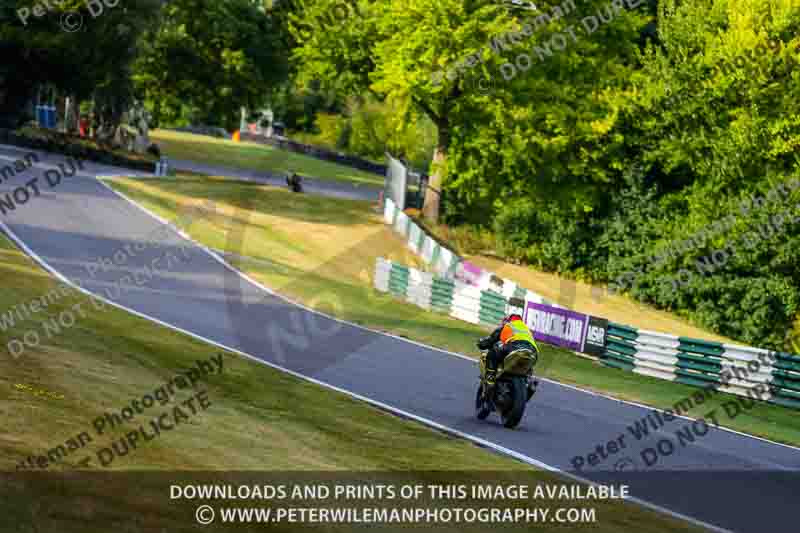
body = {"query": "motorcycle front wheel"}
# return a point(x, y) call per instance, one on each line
point(481, 408)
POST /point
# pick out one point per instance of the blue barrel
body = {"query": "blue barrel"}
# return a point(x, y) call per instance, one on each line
point(51, 117)
point(41, 118)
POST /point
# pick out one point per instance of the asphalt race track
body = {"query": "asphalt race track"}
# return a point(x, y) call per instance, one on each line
point(334, 188)
point(724, 479)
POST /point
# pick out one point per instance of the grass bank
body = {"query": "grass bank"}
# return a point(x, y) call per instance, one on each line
point(252, 156)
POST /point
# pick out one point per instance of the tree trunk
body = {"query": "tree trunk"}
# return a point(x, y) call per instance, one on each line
point(430, 209)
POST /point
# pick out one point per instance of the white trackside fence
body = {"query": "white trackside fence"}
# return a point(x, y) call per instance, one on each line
point(449, 265)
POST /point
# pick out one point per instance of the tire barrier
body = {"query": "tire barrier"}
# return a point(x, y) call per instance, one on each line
point(441, 295)
point(739, 370)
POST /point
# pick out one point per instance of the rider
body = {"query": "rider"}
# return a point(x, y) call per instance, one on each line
point(293, 180)
point(512, 335)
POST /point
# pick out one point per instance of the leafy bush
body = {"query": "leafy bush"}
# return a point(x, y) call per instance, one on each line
point(519, 231)
point(331, 128)
point(548, 235)
point(370, 131)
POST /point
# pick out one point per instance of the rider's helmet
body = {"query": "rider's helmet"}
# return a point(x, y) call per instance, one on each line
point(512, 316)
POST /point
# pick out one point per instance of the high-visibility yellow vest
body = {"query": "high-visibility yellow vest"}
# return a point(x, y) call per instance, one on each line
point(516, 330)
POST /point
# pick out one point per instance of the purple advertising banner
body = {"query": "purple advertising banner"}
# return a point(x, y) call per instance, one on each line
point(557, 326)
point(469, 273)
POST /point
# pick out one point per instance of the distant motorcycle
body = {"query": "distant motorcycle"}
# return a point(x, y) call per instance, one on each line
point(294, 182)
point(514, 387)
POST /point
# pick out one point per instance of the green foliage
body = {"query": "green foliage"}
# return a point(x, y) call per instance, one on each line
point(39, 51)
point(546, 235)
point(379, 127)
point(369, 131)
point(549, 133)
point(332, 129)
point(297, 105)
point(393, 49)
point(608, 155)
point(370, 128)
point(715, 113)
point(210, 58)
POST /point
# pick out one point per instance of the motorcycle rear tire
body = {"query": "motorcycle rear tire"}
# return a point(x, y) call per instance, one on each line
point(519, 392)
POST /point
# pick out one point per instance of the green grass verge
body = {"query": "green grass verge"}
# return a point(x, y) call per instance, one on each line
point(251, 156)
point(337, 259)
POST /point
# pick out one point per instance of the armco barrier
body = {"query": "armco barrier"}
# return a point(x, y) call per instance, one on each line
point(420, 288)
point(699, 362)
point(620, 347)
point(469, 303)
point(442, 295)
point(745, 368)
point(786, 380)
point(730, 368)
point(656, 354)
point(382, 270)
point(401, 222)
point(430, 250)
point(415, 238)
point(466, 303)
point(434, 293)
point(492, 308)
point(398, 280)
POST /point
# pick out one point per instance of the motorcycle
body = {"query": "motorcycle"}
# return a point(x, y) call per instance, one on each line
point(514, 387)
point(294, 182)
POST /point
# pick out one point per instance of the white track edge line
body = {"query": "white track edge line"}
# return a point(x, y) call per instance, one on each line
point(446, 429)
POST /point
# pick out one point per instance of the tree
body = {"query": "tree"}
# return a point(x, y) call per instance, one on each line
point(211, 57)
point(438, 58)
point(545, 138)
point(394, 50)
point(38, 50)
